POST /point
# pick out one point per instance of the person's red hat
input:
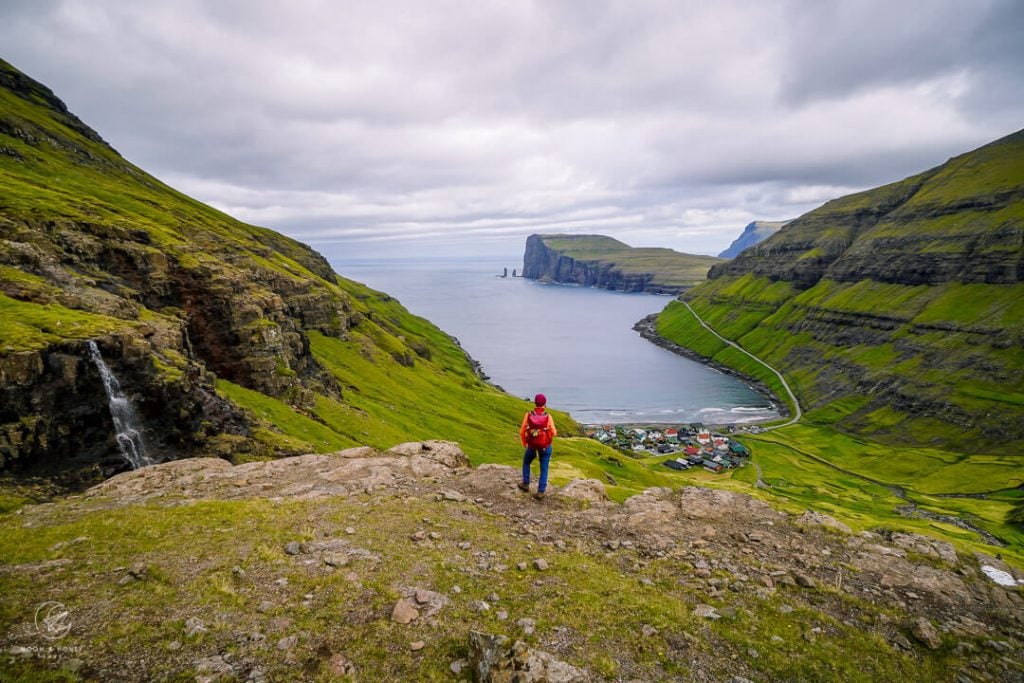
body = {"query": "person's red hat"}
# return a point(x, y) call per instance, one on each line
point(540, 400)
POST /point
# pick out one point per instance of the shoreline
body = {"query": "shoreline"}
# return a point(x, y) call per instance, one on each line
point(647, 329)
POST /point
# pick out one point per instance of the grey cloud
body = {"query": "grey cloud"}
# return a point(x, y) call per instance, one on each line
point(481, 122)
point(843, 46)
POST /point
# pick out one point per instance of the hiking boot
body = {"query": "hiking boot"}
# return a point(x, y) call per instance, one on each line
point(539, 495)
point(523, 486)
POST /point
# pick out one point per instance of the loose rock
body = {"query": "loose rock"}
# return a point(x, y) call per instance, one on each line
point(492, 660)
point(404, 612)
point(339, 665)
point(925, 633)
point(528, 625)
point(706, 611)
point(804, 580)
point(194, 626)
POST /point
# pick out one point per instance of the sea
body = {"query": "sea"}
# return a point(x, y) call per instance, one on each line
point(574, 344)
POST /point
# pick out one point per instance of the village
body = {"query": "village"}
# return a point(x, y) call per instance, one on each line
point(694, 445)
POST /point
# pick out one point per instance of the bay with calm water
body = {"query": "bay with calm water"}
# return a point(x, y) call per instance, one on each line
point(575, 344)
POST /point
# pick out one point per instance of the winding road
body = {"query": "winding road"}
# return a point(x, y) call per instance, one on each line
point(785, 385)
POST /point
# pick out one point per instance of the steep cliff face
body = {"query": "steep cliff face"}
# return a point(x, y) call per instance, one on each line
point(184, 302)
point(899, 312)
point(754, 233)
point(598, 261)
point(540, 262)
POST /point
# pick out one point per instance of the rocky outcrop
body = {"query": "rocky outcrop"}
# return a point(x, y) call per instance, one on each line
point(305, 477)
point(725, 556)
point(755, 232)
point(171, 320)
point(493, 660)
point(55, 421)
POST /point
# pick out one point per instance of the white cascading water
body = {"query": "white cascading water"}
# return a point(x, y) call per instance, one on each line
point(129, 440)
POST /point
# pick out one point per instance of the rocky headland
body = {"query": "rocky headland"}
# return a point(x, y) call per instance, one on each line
point(606, 263)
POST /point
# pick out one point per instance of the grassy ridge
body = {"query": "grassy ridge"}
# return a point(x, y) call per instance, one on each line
point(898, 311)
point(748, 309)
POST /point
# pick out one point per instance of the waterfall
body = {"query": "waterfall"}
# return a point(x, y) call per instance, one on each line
point(129, 440)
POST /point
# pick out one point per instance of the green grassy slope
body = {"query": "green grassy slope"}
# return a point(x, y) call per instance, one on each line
point(898, 312)
point(400, 377)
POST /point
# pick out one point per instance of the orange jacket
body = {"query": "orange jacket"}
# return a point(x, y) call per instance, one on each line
point(526, 418)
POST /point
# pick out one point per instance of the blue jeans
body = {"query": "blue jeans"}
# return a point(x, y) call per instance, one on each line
point(545, 459)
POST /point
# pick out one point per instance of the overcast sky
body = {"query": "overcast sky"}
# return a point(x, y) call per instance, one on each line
point(435, 127)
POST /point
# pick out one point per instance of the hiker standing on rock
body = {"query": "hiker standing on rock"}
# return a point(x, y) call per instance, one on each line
point(536, 433)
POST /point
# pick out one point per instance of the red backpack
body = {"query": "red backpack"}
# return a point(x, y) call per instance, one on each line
point(538, 432)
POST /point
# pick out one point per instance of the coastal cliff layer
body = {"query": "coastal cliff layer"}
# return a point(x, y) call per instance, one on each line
point(607, 263)
point(899, 311)
point(229, 339)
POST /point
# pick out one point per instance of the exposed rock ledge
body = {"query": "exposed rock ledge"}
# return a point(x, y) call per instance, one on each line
point(735, 527)
point(354, 470)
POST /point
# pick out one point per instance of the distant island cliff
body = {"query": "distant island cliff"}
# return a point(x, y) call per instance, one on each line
point(607, 263)
point(755, 233)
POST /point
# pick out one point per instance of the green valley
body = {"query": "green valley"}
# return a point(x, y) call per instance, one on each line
point(336, 494)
